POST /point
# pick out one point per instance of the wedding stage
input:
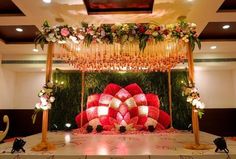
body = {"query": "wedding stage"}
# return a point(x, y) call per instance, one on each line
point(105, 145)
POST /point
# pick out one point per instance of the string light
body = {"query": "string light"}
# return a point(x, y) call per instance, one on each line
point(160, 56)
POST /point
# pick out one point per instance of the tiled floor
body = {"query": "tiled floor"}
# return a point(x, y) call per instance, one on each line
point(119, 146)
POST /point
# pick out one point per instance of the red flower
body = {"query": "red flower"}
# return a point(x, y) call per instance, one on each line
point(142, 29)
point(65, 32)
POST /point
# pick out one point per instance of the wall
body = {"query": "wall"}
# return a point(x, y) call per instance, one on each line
point(7, 88)
point(18, 90)
point(27, 86)
point(234, 78)
point(216, 88)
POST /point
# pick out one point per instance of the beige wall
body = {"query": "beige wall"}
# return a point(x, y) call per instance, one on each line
point(7, 87)
point(216, 88)
point(27, 86)
point(18, 90)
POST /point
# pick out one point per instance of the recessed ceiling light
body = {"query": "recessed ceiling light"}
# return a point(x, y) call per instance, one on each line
point(19, 29)
point(47, 1)
point(189, 0)
point(35, 50)
point(226, 26)
point(213, 47)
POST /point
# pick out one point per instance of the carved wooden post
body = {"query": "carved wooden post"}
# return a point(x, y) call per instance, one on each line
point(44, 145)
point(195, 122)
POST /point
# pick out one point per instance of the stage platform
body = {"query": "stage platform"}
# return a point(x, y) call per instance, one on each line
point(119, 146)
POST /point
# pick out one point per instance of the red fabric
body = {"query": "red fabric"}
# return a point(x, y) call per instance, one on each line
point(123, 95)
point(127, 117)
point(153, 112)
point(124, 104)
point(133, 112)
point(78, 119)
point(112, 112)
point(93, 100)
point(112, 89)
point(92, 113)
point(142, 120)
point(153, 100)
point(134, 89)
point(140, 99)
point(105, 99)
point(164, 119)
point(160, 127)
point(105, 120)
point(123, 109)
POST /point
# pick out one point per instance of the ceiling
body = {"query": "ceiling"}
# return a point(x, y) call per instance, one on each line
point(209, 15)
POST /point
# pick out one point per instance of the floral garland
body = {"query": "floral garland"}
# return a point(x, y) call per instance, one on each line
point(119, 33)
point(46, 99)
point(193, 97)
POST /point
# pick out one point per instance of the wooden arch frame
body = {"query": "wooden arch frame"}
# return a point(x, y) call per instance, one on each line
point(45, 145)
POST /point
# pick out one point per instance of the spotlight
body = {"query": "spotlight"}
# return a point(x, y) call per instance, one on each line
point(68, 126)
point(18, 145)
point(190, 128)
point(151, 128)
point(122, 129)
point(89, 128)
point(221, 145)
point(54, 127)
point(99, 128)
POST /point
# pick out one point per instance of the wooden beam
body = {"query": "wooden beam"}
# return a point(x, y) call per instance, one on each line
point(45, 145)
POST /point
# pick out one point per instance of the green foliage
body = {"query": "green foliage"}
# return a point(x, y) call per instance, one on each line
point(68, 96)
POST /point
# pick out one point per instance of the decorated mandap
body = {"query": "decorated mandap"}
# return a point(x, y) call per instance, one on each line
point(121, 47)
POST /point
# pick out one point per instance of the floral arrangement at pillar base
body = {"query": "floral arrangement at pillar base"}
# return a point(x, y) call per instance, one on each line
point(193, 97)
point(46, 99)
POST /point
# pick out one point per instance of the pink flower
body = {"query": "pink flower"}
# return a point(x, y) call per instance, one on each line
point(65, 32)
point(148, 32)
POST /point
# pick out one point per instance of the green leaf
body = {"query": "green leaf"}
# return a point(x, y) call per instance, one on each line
point(46, 24)
point(85, 25)
point(34, 116)
point(198, 43)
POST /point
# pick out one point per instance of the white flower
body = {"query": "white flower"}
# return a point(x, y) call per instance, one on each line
point(51, 35)
point(189, 99)
point(193, 25)
point(43, 101)
point(52, 99)
point(54, 39)
point(202, 106)
point(44, 107)
point(49, 105)
point(73, 38)
point(40, 93)
point(186, 40)
point(50, 84)
point(38, 105)
point(81, 37)
point(194, 102)
point(198, 104)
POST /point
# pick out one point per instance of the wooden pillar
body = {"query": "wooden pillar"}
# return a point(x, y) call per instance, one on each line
point(82, 97)
point(170, 98)
point(195, 122)
point(44, 145)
